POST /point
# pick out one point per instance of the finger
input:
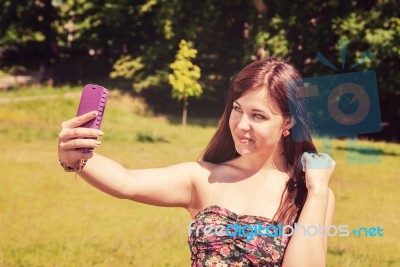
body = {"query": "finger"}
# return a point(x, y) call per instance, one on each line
point(77, 121)
point(303, 162)
point(322, 161)
point(79, 143)
point(68, 134)
point(328, 161)
point(324, 156)
point(306, 156)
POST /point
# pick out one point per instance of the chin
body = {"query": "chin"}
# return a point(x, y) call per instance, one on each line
point(243, 151)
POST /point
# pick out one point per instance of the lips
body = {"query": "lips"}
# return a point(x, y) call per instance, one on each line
point(243, 139)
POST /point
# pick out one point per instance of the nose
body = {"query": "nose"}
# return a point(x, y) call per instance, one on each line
point(244, 123)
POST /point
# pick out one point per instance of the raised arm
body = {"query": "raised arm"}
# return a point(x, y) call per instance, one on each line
point(169, 186)
point(309, 249)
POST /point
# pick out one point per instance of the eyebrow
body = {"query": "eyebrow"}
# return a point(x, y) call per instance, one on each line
point(254, 109)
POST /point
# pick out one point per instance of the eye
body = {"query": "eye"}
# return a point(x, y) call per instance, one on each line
point(259, 116)
point(237, 108)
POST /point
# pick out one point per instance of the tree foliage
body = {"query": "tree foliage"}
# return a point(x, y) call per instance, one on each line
point(227, 34)
point(185, 76)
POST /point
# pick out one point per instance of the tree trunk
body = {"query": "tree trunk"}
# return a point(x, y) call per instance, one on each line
point(184, 114)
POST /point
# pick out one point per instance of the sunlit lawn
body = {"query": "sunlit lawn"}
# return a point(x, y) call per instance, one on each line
point(47, 218)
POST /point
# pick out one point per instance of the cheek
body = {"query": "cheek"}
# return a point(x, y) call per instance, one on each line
point(271, 134)
point(277, 133)
point(233, 120)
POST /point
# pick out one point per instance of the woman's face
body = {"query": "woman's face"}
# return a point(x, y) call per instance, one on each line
point(255, 125)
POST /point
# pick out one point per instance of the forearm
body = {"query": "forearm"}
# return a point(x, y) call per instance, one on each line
point(304, 249)
point(106, 175)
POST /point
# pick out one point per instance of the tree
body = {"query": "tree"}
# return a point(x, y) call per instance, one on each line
point(139, 38)
point(29, 25)
point(185, 76)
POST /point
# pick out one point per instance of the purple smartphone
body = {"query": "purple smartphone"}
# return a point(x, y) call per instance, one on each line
point(94, 97)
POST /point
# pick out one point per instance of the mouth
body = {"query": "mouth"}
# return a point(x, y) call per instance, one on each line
point(244, 140)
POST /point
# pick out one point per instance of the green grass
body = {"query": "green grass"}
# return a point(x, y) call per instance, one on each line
point(37, 91)
point(47, 218)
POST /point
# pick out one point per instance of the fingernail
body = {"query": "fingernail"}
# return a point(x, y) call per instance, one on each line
point(94, 113)
point(100, 132)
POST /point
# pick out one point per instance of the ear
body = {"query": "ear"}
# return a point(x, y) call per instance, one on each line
point(290, 122)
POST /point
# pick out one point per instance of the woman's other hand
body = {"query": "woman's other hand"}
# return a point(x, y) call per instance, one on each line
point(318, 168)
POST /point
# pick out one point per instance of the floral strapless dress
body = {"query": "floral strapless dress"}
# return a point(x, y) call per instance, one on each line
point(224, 250)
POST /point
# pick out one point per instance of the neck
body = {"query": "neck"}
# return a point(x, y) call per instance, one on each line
point(273, 160)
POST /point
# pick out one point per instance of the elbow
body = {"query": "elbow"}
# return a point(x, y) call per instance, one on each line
point(125, 191)
point(124, 194)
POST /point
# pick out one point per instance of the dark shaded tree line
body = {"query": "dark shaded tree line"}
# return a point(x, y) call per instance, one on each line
point(78, 41)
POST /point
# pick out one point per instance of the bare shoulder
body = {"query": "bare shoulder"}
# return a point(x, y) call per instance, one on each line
point(196, 170)
point(202, 169)
point(210, 170)
point(202, 184)
point(194, 167)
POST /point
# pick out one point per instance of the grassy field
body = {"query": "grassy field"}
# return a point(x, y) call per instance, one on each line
point(47, 218)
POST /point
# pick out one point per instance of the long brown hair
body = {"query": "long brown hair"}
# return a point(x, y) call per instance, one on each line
point(282, 83)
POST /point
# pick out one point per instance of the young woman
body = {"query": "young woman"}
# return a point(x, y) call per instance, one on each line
point(260, 167)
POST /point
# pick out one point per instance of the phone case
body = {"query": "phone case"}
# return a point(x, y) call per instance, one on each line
point(94, 97)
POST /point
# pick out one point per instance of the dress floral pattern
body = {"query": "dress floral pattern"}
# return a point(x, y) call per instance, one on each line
point(227, 251)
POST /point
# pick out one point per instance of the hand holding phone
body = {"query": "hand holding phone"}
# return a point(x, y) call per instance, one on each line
point(93, 98)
